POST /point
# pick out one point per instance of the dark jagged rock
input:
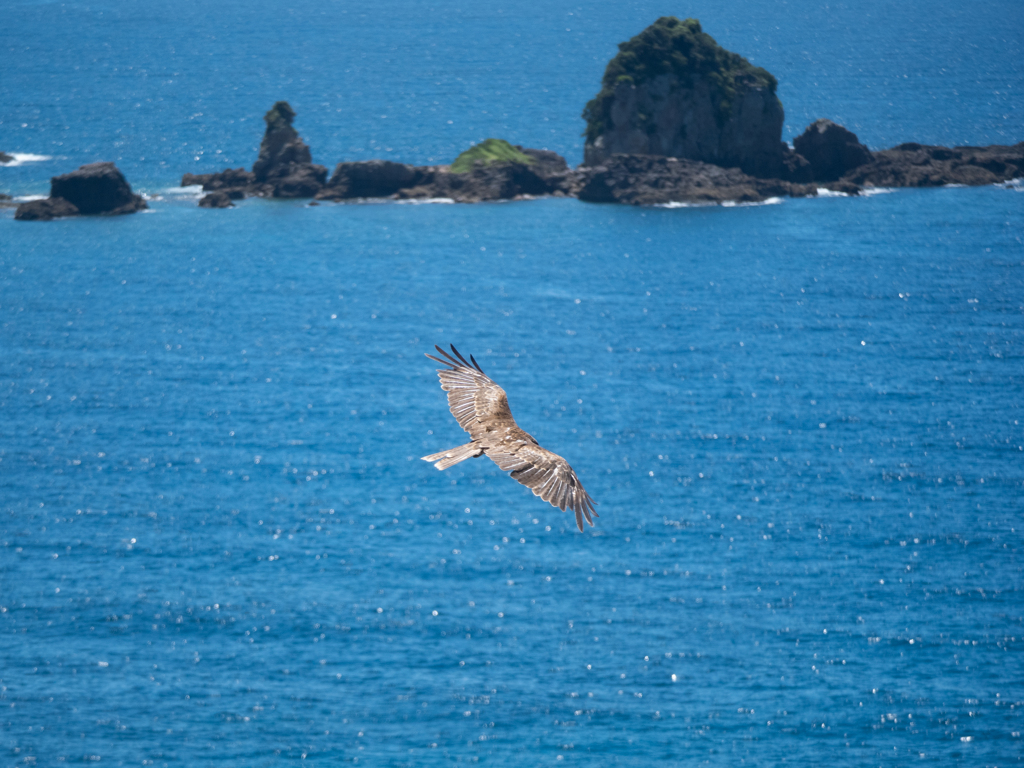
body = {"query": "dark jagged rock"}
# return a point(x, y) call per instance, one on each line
point(370, 178)
point(5, 158)
point(652, 180)
point(97, 188)
point(552, 169)
point(795, 167)
point(232, 178)
point(6, 201)
point(917, 165)
point(281, 143)
point(284, 167)
point(673, 91)
point(285, 163)
point(831, 150)
point(45, 210)
point(297, 180)
point(219, 199)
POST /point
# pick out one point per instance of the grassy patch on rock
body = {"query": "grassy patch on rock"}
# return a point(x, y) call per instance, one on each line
point(489, 152)
point(682, 48)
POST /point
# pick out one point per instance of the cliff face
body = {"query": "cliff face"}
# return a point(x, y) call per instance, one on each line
point(673, 91)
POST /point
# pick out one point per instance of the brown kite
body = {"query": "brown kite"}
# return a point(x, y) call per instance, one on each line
point(481, 408)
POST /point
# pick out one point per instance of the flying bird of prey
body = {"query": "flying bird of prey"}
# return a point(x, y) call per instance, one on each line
point(481, 408)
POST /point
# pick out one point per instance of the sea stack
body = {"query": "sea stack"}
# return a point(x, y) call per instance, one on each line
point(284, 167)
point(97, 188)
point(285, 163)
point(673, 91)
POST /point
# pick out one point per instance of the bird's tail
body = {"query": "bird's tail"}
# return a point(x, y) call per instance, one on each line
point(453, 456)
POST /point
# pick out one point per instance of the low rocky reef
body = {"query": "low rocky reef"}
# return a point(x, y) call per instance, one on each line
point(94, 189)
point(655, 180)
point(5, 158)
point(491, 170)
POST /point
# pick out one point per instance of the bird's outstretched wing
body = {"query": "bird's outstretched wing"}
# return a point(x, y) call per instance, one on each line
point(549, 476)
point(476, 402)
point(481, 408)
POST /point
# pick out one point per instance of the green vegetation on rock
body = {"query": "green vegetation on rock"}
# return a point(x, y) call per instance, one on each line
point(682, 48)
point(489, 152)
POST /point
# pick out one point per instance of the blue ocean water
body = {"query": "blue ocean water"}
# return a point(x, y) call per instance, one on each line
point(801, 421)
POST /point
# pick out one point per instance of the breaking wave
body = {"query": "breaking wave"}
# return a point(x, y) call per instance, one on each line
point(21, 158)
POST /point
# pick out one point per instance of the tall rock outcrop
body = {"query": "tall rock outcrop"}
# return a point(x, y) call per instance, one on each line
point(284, 167)
point(673, 91)
point(285, 162)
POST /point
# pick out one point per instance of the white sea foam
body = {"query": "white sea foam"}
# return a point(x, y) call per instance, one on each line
point(428, 201)
point(193, 190)
point(869, 191)
point(684, 205)
point(737, 204)
point(824, 192)
point(20, 158)
point(726, 204)
point(29, 198)
point(1017, 185)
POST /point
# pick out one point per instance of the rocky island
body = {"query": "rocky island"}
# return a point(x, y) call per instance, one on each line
point(673, 91)
point(94, 189)
point(5, 158)
point(680, 119)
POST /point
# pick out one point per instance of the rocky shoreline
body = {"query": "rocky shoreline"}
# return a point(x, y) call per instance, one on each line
point(678, 120)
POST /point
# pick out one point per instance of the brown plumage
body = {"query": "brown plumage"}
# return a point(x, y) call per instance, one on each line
point(481, 408)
